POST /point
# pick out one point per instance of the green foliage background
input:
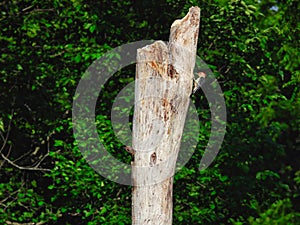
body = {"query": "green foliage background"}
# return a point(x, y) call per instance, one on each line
point(251, 46)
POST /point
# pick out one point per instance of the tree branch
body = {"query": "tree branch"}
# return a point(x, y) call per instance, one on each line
point(26, 168)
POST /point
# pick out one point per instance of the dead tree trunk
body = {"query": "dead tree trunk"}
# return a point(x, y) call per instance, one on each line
point(164, 78)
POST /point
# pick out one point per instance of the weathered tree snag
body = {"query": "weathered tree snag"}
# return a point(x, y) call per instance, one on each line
point(164, 78)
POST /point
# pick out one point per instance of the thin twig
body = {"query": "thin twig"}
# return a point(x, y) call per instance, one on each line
point(22, 156)
point(3, 200)
point(42, 159)
point(30, 223)
point(40, 10)
point(29, 7)
point(8, 131)
point(24, 168)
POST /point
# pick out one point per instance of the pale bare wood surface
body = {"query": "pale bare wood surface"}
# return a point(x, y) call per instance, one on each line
point(164, 78)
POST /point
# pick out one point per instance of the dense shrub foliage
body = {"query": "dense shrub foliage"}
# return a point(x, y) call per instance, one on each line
point(251, 46)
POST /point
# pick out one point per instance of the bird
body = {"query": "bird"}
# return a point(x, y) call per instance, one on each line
point(199, 81)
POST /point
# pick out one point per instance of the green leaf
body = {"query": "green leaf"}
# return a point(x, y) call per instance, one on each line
point(34, 184)
point(41, 203)
point(58, 143)
point(1, 125)
point(93, 28)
